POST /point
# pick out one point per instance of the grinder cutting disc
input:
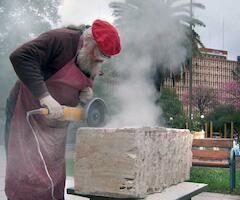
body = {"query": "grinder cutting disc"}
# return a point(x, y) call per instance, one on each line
point(95, 113)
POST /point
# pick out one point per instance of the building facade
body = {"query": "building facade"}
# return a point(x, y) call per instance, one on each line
point(211, 70)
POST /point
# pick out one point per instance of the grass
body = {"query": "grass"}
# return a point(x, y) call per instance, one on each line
point(218, 179)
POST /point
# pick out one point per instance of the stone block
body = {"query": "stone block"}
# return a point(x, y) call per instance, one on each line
point(131, 162)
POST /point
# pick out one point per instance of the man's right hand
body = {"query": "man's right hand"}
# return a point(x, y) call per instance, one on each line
point(86, 95)
point(55, 109)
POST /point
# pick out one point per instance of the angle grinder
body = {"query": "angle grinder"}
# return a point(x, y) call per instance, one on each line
point(93, 113)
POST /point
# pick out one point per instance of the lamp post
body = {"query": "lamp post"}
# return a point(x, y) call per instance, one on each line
point(202, 121)
point(171, 121)
point(190, 67)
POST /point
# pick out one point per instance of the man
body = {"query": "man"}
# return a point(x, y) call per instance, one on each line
point(54, 69)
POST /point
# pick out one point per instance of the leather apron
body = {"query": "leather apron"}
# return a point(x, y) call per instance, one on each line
point(26, 178)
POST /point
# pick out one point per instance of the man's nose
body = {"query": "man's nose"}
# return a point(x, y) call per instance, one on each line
point(99, 60)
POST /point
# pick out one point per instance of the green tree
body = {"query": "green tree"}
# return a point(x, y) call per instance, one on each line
point(172, 109)
point(224, 114)
point(20, 21)
point(23, 19)
point(236, 73)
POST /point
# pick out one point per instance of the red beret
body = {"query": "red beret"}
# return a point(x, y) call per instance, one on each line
point(106, 37)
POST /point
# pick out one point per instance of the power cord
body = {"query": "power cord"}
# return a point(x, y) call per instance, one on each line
point(29, 113)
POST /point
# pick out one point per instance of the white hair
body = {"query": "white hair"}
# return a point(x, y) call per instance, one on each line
point(88, 37)
point(87, 32)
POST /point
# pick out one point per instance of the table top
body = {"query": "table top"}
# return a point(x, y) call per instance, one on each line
point(180, 191)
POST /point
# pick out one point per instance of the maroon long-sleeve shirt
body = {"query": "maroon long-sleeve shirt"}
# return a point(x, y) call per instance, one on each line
point(37, 60)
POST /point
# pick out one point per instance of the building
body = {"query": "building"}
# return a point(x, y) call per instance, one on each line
point(212, 70)
point(214, 53)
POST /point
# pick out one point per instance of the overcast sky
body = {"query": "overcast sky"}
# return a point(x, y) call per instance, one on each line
point(222, 19)
point(85, 11)
point(222, 31)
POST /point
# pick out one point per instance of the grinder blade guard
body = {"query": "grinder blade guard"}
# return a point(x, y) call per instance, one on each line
point(96, 113)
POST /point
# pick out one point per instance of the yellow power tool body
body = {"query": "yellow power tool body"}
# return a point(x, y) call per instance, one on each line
point(69, 113)
point(93, 113)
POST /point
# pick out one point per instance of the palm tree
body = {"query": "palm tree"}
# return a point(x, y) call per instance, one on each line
point(163, 27)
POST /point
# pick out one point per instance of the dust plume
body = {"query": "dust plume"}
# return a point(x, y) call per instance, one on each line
point(153, 37)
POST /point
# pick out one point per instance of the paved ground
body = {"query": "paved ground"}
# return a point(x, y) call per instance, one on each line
point(215, 196)
point(69, 183)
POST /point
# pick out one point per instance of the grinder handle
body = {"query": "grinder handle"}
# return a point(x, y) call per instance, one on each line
point(44, 111)
point(69, 113)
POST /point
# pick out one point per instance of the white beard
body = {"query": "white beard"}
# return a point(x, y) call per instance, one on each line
point(85, 63)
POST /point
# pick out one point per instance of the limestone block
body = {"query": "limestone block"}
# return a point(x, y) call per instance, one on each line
point(131, 162)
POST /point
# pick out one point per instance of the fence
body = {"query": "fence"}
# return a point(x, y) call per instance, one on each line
point(227, 132)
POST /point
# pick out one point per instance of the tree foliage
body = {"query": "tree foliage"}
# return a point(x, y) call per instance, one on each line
point(224, 114)
point(236, 73)
point(232, 94)
point(163, 27)
point(172, 109)
point(203, 98)
point(22, 19)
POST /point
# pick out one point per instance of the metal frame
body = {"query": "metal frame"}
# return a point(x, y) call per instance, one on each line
point(178, 196)
point(96, 197)
point(235, 152)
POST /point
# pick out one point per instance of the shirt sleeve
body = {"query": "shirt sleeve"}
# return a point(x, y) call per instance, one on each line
point(29, 59)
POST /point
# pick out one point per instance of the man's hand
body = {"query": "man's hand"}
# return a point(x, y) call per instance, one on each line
point(86, 95)
point(55, 109)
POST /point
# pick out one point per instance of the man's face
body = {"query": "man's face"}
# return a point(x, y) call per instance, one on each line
point(90, 60)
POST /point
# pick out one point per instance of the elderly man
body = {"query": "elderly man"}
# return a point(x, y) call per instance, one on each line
point(54, 69)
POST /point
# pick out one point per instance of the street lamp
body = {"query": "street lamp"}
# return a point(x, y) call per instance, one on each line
point(171, 121)
point(202, 118)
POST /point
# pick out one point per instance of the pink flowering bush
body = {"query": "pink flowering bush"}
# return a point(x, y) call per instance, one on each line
point(203, 98)
point(231, 94)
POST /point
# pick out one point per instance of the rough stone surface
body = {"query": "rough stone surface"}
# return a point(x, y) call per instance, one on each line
point(131, 162)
